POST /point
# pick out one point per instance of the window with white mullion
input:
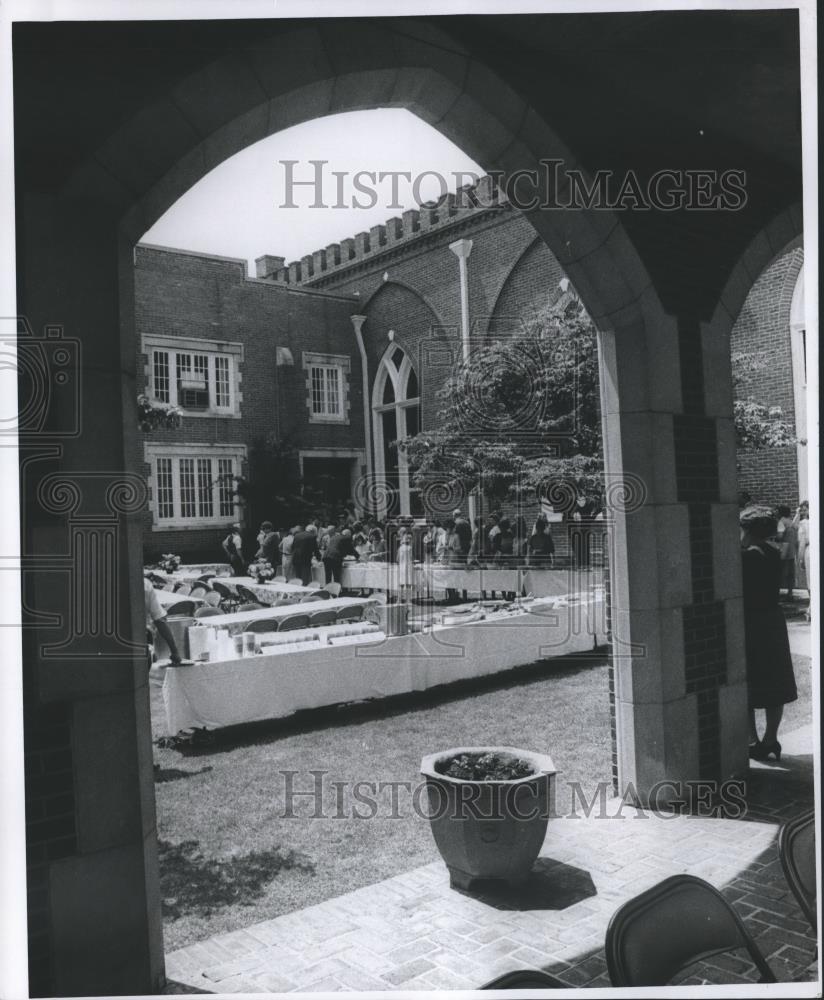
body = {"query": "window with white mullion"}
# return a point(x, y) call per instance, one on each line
point(221, 380)
point(226, 498)
point(205, 499)
point(160, 376)
point(188, 505)
point(164, 489)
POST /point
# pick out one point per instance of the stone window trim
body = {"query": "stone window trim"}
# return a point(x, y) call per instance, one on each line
point(196, 345)
point(343, 364)
point(235, 453)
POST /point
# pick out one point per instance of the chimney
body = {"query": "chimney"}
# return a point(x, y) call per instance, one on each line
point(267, 265)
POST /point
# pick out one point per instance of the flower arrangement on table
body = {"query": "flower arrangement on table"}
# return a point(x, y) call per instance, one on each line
point(169, 563)
point(262, 570)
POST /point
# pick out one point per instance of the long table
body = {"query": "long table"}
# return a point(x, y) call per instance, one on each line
point(273, 686)
point(236, 620)
point(427, 579)
point(269, 592)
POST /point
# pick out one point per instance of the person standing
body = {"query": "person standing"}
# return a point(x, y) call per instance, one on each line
point(156, 621)
point(233, 547)
point(770, 677)
point(286, 552)
point(304, 549)
point(787, 538)
point(268, 544)
point(338, 547)
point(802, 528)
point(541, 548)
point(405, 566)
point(463, 530)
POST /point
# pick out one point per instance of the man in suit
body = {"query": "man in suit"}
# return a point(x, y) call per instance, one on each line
point(268, 544)
point(304, 548)
point(338, 547)
point(463, 529)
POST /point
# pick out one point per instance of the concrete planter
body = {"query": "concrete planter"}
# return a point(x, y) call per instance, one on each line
point(489, 829)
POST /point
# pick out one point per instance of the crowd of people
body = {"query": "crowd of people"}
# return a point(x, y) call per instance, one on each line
point(452, 541)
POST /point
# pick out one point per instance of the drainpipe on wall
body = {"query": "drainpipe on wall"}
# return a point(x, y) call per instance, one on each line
point(462, 249)
point(357, 324)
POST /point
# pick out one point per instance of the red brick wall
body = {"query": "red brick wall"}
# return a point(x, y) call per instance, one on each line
point(192, 295)
point(763, 328)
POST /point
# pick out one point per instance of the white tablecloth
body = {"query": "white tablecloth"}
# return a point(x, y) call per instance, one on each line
point(268, 593)
point(213, 695)
point(437, 578)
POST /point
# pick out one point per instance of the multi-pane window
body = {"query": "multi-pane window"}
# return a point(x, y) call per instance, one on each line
point(194, 488)
point(165, 490)
point(326, 397)
point(196, 381)
point(327, 386)
point(226, 492)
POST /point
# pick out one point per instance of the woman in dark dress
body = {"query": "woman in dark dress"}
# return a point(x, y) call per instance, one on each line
point(770, 678)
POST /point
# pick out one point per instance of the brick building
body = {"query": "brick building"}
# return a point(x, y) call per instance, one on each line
point(328, 360)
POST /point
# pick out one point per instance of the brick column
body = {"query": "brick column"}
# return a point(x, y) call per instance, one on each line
point(680, 709)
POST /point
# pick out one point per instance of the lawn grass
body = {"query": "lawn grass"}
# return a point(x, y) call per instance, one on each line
point(230, 856)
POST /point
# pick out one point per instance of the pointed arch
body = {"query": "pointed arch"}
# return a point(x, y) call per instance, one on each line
point(396, 408)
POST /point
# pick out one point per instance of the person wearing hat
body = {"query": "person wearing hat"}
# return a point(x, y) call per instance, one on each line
point(304, 549)
point(770, 677)
point(233, 547)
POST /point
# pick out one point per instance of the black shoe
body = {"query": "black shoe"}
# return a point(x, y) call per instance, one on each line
point(766, 750)
point(755, 750)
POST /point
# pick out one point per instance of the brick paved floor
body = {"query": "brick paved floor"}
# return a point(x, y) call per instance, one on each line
point(413, 932)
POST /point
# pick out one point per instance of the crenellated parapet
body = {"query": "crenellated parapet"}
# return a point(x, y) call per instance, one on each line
point(469, 201)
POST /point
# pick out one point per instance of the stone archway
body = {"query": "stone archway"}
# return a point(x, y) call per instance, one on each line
point(665, 393)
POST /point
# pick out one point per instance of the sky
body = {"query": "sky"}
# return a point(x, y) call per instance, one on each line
point(254, 203)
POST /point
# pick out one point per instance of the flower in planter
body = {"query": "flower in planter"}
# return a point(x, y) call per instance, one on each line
point(169, 563)
point(486, 767)
point(151, 414)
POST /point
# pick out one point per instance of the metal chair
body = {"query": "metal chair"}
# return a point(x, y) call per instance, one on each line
point(206, 577)
point(292, 622)
point(212, 599)
point(207, 612)
point(227, 596)
point(199, 590)
point(333, 589)
point(169, 585)
point(525, 979)
point(181, 608)
point(250, 606)
point(184, 589)
point(796, 849)
point(323, 594)
point(660, 932)
point(353, 614)
point(156, 580)
point(326, 616)
point(262, 625)
point(246, 595)
point(281, 602)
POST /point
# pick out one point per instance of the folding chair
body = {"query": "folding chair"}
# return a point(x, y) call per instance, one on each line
point(198, 590)
point(169, 585)
point(660, 932)
point(227, 596)
point(322, 594)
point(353, 614)
point(157, 581)
point(185, 609)
point(207, 612)
point(292, 622)
point(246, 595)
point(212, 599)
point(526, 979)
point(262, 625)
point(796, 849)
point(326, 616)
point(206, 577)
point(333, 589)
point(184, 589)
point(281, 602)
point(251, 606)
